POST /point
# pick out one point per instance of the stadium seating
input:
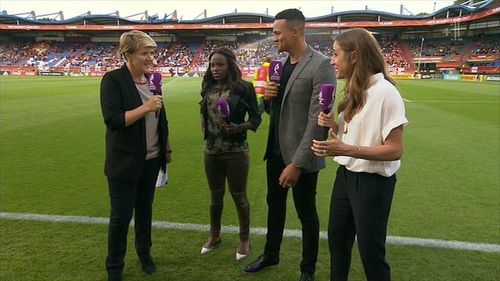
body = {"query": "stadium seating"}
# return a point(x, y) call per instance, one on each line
point(251, 51)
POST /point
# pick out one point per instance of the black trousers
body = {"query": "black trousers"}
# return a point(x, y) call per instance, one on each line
point(360, 206)
point(127, 197)
point(304, 198)
point(233, 167)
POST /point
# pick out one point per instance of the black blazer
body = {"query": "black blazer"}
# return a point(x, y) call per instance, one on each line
point(240, 102)
point(126, 146)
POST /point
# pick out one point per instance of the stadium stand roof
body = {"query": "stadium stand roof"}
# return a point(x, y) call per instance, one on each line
point(459, 10)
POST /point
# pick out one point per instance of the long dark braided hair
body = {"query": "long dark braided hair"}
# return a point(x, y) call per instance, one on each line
point(233, 79)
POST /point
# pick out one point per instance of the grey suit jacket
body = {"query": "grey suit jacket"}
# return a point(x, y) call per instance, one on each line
point(298, 121)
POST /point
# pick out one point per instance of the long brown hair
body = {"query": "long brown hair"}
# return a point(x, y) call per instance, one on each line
point(369, 61)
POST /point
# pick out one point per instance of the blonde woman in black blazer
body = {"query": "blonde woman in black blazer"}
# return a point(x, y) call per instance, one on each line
point(137, 146)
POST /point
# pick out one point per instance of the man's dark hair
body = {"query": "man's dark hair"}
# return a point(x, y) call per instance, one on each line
point(293, 17)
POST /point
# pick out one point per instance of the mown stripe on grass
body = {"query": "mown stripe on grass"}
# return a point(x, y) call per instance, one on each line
point(396, 240)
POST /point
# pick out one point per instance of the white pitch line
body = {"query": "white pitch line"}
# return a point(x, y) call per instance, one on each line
point(170, 82)
point(396, 240)
point(450, 101)
point(168, 93)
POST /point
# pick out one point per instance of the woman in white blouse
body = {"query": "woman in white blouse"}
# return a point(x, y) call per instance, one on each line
point(367, 142)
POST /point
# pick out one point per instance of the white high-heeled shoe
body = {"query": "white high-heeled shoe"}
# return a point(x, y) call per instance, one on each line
point(240, 256)
point(205, 249)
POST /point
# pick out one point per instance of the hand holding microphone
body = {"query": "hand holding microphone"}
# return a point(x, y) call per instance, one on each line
point(275, 74)
point(331, 146)
point(325, 119)
point(232, 128)
point(326, 99)
point(154, 103)
point(271, 90)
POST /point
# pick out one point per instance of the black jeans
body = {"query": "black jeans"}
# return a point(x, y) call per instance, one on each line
point(127, 197)
point(360, 206)
point(233, 167)
point(304, 198)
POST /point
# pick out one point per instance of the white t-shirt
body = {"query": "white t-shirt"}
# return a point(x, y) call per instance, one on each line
point(383, 111)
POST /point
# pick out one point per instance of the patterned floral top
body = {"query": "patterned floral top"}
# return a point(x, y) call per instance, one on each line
point(217, 140)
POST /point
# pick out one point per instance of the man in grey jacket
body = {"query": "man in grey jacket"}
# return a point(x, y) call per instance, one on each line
point(293, 107)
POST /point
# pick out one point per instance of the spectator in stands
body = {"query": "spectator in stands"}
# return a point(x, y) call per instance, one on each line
point(291, 165)
point(137, 146)
point(367, 142)
point(226, 147)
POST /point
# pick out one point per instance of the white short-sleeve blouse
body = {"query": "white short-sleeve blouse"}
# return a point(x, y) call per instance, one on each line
point(383, 111)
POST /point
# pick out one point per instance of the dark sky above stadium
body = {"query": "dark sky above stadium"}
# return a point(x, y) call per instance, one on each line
point(188, 10)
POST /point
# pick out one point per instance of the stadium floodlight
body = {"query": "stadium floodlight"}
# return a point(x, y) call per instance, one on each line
point(85, 14)
point(115, 13)
point(143, 17)
point(31, 15)
point(204, 13)
point(402, 9)
point(58, 14)
point(171, 16)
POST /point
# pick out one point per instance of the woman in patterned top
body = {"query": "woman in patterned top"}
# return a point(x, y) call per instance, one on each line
point(226, 147)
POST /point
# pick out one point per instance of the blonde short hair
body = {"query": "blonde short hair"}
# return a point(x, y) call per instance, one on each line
point(133, 40)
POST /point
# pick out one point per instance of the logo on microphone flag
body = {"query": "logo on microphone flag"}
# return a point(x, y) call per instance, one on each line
point(275, 71)
point(222, 108)
point(155, 83)
point(326, 97)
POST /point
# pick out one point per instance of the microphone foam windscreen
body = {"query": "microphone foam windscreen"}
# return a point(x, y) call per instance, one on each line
point(155, 82)
point(275, 71)
point(326, 96)
point(222, 108)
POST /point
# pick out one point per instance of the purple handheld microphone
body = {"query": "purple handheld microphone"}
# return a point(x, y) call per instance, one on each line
point(155, 85)
point(275, 71)
point(222, 108)
point(326, 97)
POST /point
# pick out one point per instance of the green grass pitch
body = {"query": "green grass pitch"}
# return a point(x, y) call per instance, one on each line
point(51, 162)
